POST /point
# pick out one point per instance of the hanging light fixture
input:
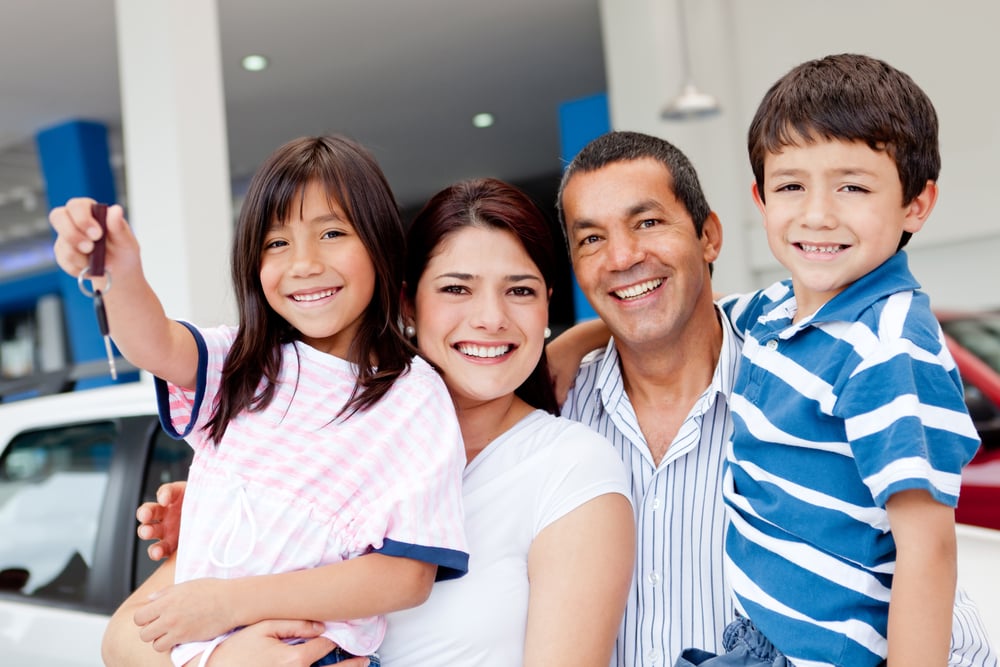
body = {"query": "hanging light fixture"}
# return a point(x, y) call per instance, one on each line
point(690, 102)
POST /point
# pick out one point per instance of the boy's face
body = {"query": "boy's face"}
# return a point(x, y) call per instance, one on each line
point(833, 213)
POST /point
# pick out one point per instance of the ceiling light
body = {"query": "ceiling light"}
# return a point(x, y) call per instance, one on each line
point(690, 102)
point(482, 120)
point(255, 63)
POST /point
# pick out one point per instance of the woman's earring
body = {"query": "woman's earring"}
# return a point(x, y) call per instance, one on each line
point(547, 333)
point(410, 331)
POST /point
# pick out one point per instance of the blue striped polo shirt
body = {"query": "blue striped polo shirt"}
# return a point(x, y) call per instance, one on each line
point(832, 415)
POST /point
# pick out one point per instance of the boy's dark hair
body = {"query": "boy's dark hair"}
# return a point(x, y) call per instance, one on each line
point(623, 146)
point(487, 203)
point(352, 178)
point(850, 97)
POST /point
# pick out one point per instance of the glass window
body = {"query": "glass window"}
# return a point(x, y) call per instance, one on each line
point(52, 486)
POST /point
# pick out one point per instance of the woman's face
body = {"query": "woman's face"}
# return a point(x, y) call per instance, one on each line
point(480, 313)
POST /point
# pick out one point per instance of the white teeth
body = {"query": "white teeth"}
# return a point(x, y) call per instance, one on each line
point(483, 351)
point(315, 296)
point(829, 249)
point(638, 290)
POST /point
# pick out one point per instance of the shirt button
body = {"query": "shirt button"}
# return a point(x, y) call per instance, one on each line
point(653, 578)
point(772, 344)
point(655, 504)
point(652, 657)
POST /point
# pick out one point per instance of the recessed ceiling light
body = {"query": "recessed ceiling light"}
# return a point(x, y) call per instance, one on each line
point(482, 120)
point(255, 63)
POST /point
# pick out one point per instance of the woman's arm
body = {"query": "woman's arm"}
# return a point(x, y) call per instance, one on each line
point(138, 324)
point(121, 645)
point(580, 569)
point(923, 586)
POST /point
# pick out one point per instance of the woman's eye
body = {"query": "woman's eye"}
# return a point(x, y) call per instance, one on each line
point(453, 289)
point(522, 291)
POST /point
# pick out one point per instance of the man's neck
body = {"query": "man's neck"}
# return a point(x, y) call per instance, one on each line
point(664, 381)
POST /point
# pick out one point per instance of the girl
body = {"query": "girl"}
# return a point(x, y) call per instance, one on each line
point(550, 526)
point(318, 442)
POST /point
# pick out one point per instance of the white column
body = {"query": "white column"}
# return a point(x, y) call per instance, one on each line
point(176, 156)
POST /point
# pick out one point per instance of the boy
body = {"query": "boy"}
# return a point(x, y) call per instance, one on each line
point(850, 430)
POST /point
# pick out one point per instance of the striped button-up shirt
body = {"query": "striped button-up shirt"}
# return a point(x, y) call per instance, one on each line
point(679, 596)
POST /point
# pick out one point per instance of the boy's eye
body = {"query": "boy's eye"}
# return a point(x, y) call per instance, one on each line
point(855, 188)
point(788, 187)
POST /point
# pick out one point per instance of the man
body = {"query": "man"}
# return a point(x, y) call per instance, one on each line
point(642, 241)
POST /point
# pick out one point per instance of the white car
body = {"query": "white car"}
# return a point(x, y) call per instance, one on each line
point(73, 468)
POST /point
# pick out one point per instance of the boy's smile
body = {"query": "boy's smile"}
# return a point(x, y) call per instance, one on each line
point(833, 211)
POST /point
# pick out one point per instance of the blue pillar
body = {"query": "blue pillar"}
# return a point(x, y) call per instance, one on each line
point(581, 121)
point(75, 162)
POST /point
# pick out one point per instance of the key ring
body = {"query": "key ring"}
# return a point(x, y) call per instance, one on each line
point(89, 293)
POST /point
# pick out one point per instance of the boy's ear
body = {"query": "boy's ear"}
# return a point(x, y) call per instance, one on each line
point(757, 199)
point(918, 210)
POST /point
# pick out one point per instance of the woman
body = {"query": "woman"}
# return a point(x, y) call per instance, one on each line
point(549, 525)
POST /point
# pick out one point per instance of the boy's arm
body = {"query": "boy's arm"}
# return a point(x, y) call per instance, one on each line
point(923, 586)
point(568, 349)
point(138, 324)
point(369, 585)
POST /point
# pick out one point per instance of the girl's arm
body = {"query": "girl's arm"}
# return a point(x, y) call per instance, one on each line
point(369, 585)
point(923, 586)
point(138, 324)
point(580, 569)
point(568, 349)
point(259, 645)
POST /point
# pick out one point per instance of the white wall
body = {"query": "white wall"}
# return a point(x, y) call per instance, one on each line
point(740, 47)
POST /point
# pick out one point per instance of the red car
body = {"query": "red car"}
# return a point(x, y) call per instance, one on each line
point(974, 341)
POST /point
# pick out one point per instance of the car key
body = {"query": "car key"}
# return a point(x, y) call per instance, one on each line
point(96, 270)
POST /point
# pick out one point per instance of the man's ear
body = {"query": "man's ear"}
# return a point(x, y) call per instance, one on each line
point(711, 237)
point(918, 210)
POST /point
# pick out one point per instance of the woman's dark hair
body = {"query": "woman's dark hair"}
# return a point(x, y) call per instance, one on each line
point(353, 180)
point(490, 204)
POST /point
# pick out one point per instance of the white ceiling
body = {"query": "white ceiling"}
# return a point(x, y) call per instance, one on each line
point(403, 77)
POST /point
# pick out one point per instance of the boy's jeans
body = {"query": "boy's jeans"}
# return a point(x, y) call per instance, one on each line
point(745, 647)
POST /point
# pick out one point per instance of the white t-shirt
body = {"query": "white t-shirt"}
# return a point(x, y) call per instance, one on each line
point(537, 472)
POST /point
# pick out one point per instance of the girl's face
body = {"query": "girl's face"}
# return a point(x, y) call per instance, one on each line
point(316, 273)
point(481, 310)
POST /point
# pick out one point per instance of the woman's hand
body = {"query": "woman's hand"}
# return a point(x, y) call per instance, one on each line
point(261, 645)
point(195, 610)
point(161, 520)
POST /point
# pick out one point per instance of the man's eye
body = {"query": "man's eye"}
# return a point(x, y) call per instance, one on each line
point(587, 240)
point(646, 224)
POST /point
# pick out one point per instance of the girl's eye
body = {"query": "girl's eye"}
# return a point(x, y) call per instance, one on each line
point(276, 243)
point(332, 234)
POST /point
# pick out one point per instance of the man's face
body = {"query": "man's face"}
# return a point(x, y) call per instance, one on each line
point(635, 251)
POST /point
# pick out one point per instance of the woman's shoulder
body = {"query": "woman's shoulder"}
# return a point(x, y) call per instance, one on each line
point(564, 438)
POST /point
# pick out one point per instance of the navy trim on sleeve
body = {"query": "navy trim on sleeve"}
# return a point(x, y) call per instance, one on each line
point(451, 563)
point(163, 396)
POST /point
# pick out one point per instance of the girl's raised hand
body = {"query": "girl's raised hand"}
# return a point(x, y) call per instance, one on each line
point(77, 230)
